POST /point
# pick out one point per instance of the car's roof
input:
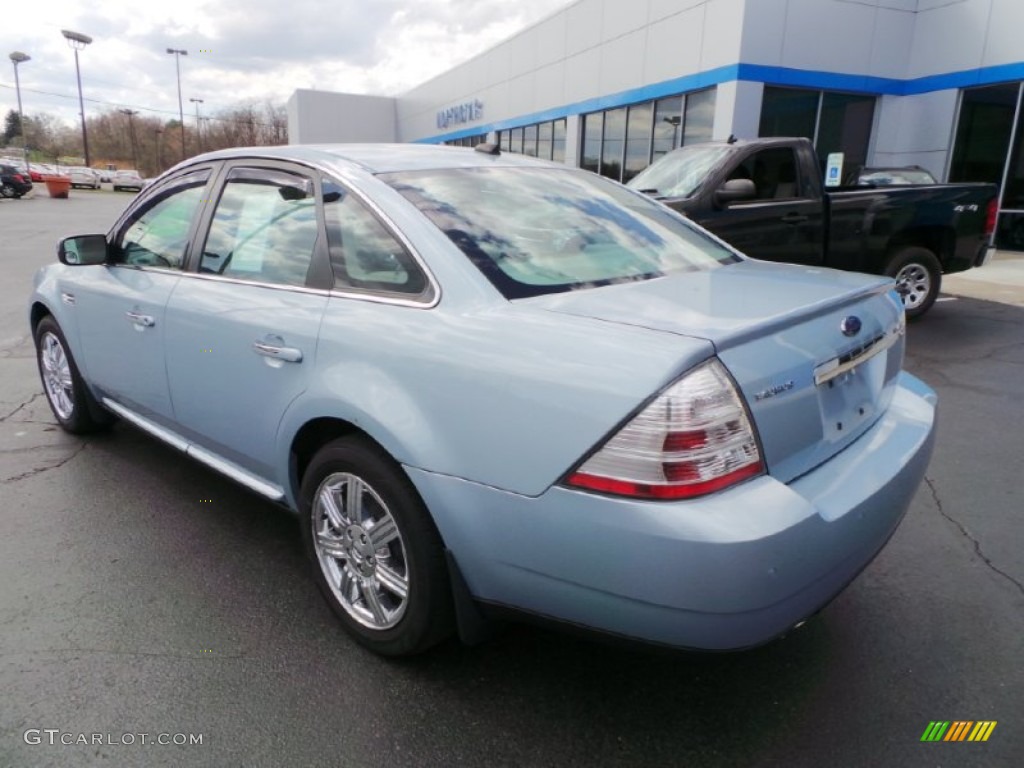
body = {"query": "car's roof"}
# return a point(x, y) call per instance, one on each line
point(384, 158)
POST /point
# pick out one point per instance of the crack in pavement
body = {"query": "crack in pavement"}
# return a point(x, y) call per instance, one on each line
point(40, 470)
point(977, 547)
point(25, 404)
point(155, 654)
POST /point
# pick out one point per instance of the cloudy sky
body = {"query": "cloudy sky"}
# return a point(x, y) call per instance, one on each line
point(242, 50)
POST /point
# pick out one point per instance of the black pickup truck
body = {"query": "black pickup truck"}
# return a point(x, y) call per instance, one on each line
point(765, 197)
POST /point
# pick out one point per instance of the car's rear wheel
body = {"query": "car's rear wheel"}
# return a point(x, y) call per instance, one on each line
point(6, 190)
point(66, 392)
point(918, 275)
point(376, 555)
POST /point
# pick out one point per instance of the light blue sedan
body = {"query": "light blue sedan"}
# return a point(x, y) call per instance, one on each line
point(493, 386)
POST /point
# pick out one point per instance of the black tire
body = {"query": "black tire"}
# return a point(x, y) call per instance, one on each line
point(74, 408)
point(918, 276)
point(361, 581)
point(7, 190)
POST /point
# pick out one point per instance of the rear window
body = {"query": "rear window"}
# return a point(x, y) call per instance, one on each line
point(534, 231)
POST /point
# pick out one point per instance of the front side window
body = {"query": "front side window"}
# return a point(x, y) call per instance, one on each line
point(156, 234)
point(539, 231)
point(264, 228)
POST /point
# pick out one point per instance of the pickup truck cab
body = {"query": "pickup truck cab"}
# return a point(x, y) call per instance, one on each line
point(765, 197)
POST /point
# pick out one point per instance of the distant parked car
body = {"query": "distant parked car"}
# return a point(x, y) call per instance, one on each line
point(488, 382)
point(84, 177)
point(13, 182)
point(106, 175)
point(127, 180)
point(898, 177)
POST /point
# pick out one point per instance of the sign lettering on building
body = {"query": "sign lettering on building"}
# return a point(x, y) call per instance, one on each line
point(460, 114)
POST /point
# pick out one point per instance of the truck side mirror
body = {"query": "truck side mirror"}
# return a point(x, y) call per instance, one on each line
point(735, 189)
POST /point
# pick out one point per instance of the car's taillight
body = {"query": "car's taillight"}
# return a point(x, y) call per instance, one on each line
point(990, 216)
point(693, 439)
point(18, 178)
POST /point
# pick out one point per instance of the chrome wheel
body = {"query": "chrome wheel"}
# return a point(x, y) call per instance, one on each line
point(360, 551)
point(914, 284)
point(57, 377)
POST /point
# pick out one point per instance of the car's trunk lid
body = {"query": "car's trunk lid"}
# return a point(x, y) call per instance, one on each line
point(815, 352)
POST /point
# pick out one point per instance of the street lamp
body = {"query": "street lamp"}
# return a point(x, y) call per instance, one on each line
point(131, 133)
point(674, 121)
point(17, 57)
point(178, 53)
point(78, 41)
point(199, 133)
point(159, 158)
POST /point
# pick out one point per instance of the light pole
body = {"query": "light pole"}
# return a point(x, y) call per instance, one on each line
point(131, 133)
point(178, 53)
point(199, 133)
point(674, 121)
point(17, 57)
point(78, 41)
point(159, 159)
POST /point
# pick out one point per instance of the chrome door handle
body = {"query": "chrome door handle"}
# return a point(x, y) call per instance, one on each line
point(140, 319)
point(286, 354)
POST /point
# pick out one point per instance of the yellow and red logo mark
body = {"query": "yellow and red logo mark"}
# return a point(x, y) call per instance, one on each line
point(959, 730)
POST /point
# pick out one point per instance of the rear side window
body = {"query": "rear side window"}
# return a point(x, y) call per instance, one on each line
point(365, 256)
point(533, 231)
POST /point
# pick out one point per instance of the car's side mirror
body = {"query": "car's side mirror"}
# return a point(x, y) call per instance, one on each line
point(735, 189)
point(83, 250)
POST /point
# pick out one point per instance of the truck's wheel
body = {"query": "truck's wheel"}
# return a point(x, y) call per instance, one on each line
point(918, 276)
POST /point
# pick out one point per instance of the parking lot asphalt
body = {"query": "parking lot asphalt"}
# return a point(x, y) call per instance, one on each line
point(141, 593)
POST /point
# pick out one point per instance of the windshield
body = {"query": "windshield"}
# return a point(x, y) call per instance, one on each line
point(680, 172)
point(533, 231)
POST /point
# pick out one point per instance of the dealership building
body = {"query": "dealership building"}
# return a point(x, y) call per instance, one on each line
point(610, 85)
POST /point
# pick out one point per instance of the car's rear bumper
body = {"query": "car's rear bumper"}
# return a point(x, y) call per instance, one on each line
point(727, 571)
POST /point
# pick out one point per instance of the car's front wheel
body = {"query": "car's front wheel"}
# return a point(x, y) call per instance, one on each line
point(66, 391)
point(376, 555)
point(918, 275)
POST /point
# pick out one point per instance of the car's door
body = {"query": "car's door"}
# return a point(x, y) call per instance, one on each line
point(784, 222)
point(119, 307)
point(242, 325)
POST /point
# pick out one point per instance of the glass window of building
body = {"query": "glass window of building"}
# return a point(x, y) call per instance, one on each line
point(700, 116)
point(544, 140)
point(668, 122)
point(613, 143)
point(593, 129)
point(619, 143)
point(835, 122)
point(990, 129)
point(530, 140)
point(558, 141)
point(639, 127)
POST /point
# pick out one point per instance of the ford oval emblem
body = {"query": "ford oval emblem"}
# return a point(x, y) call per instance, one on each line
point(850, 325)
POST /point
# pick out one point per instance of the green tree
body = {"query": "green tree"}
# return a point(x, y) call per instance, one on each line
point(12, 126)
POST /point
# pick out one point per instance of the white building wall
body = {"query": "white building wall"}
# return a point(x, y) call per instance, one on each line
point(915, 130)
point(592, 54)
point(319, 117)
point(598, 54)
